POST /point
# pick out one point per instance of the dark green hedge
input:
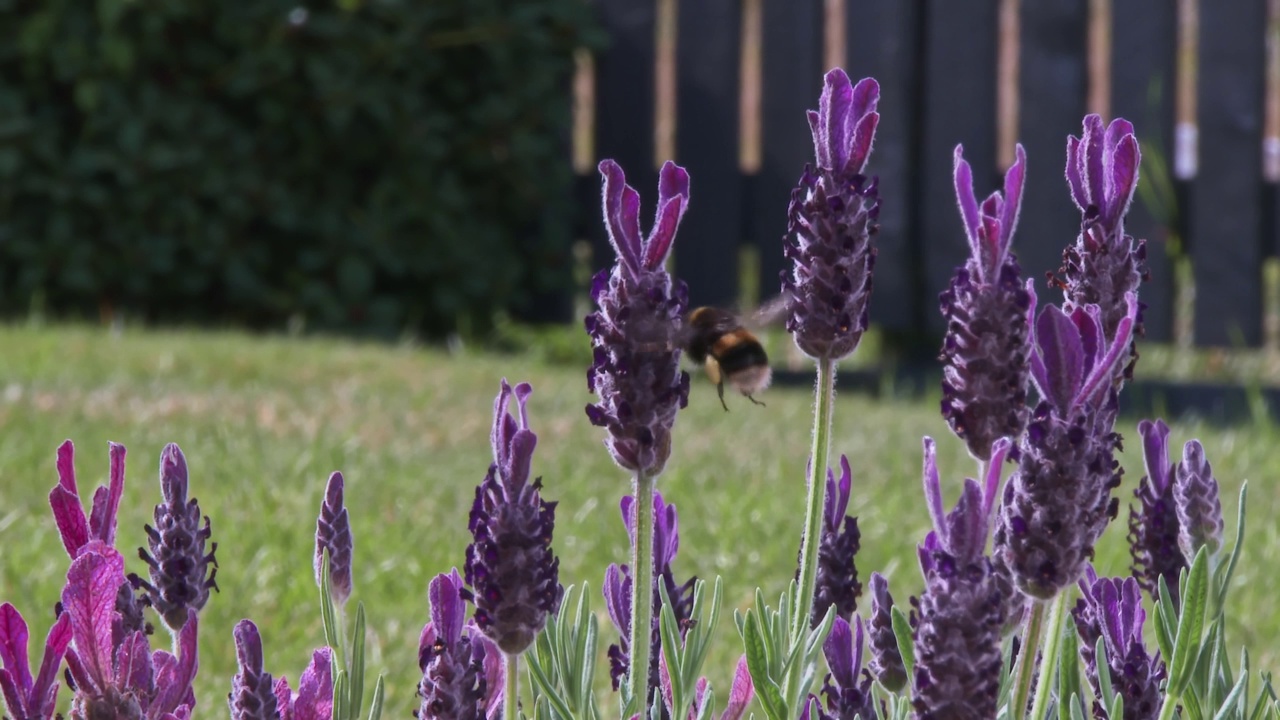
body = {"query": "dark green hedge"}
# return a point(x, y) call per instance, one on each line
point(370, 166)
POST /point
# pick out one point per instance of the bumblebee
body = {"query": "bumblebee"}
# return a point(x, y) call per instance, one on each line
point(728, 352)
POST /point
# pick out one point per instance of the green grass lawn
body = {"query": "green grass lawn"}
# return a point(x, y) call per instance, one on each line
point(263, 421)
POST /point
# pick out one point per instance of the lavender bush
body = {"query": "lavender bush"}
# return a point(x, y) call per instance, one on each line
point(987, 633)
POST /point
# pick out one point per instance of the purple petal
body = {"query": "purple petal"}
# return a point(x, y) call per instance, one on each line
point(621, 214)
point(833, 109)
point(494, 670)
point(866, 96)
point(447, 608)
point(1088, 321)
point(1095, 172)
point(1075, 180)
point(89, 597)
point(966, 526)
point(962, 175)
point(664, 232)
point(699, 698)
point(14, 699)
point(741, 692)
point(1014, 178)
point(838, 650)
point(864, 136)
point(617, 598)
point(1155, 453)
point(503, 426)
point(627, 505)
point(13, 647)
point(315, 689)
point(1035, 362)
point(843, 490)
point(991, 488)
point(1125, 161)
point(174, 679)
point(73, 527)
point(284, 698)
point(134, 671)
point(932, 485)
point(1101, 375)
point(673, 182)
point(105, 514)
point(1058, 343)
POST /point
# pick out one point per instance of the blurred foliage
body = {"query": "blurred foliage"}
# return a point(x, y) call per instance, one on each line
point(375, 166)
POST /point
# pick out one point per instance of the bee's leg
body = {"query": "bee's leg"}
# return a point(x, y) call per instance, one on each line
point(752, 399)
point(712, 367)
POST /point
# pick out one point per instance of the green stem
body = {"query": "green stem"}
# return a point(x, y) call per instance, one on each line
point(824, 393)
point(1170, 707)
point(641, 595)
point(1026, 665)
point(510, 697)
point(1052, 648)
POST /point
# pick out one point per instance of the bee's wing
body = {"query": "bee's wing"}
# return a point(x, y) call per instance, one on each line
point(772, 312)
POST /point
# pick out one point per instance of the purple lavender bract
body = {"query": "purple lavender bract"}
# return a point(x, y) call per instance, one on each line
point(25, 696)
point(985, 350)
point(830, 222)
point(178, 562)
point(1153, 525)
point(636, 366)
point(512, 573)
point(1111, 609)
point(846, 690)
point(957, 638)
point(333, 533)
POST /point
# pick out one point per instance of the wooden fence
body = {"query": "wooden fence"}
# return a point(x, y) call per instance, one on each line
point(721, 86)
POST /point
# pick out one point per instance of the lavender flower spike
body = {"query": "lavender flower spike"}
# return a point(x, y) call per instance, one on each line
point(1153, 525)
point(886, 660)
point(830, 222)
point(178, 561)
point(510, 568)
point(957, 639)
point(1199, 510)
point(462, 673)
point(1058, 501)
point(849, 694)
point(636, 367)
point(837, 583)
point(987, 342)
point(1104, 263)
point(618, 584)
point(1111, 609)
point(252, 695)
point(333, 533)
point(29, 698)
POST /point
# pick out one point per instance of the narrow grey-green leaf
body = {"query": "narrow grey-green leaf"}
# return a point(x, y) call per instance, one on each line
point(1104, 675)
point(357, 663)
point(1068, 672)
point(1190, 624)
point(767, 690)
point(906, 646)
point(375, 705)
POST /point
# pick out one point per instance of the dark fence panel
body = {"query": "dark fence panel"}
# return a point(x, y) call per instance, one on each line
point(1051, 87)
point(1225, 212)
point(883, 41)
point(959, 94)
point(707, 97)
point(792, 82)
point(624, 105)
point(1142, 88)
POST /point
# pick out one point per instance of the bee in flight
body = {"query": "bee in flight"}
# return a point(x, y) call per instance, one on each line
point(727, 350)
